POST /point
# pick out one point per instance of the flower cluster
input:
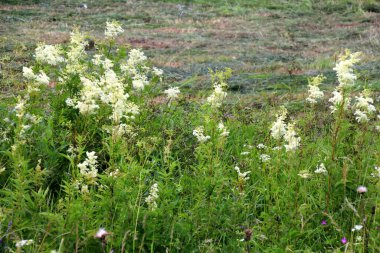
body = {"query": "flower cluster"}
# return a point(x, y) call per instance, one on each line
point(364, 107)
point(153, 196)
point(278, 128)
point(344, 69)
point(199, 134)
point(50, 54)
point(223, 130)
point(172, 92)
point(321, 169)
point(242, 176)
point(217, 97)
point(113, 29)
point(88, 168)
point(291, 138)
point(22, 243)
point(314, 92)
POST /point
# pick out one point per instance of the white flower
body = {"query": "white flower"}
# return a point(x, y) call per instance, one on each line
point(360, 116)
point(136, 57)
point(357, 228)
point(139, 83)
point(278, 128)
point(49, 54)
point(321, 169)
point(217, 97)
point(42, 78)
point(245, 153)
point(172, 92)
point(223, 130)
point(337, 101)
point(377, 172)
point(199, 134)
point(314, 92)
point(88, 167)
point(242, 176)
point(28, 73)
point(113, 29)
point(291, 138)
point(264, 158)
point(153, 196)
point(261, 146)
point(157, 71)
point(304, 174)
point(22, 243)
point(344, 69)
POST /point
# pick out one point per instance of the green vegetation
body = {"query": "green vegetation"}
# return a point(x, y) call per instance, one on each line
point(260, 135)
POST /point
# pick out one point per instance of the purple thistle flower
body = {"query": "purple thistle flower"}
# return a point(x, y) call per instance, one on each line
point(324, 222)
point(344, 240)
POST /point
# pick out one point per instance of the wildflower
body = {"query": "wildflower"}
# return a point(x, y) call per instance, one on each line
point(88, 167)
point(324, 222)
point(337, 101)
point(357, 228)
point(344, 69)
point(20, 108)
point(139, 83)
point(223, 130)
point(304, 174)
point(153, 196)
point(42, 78)
point(314, 92)
point(22, 243)
point(199, 133)
point(135, 57)
point(278, 128)
point(172, 93)
point(101, 233)
point(242, 176)
point(113, 29)
point(49, 54)
point(376, 173)
point(358, 238)
point(157, 71)
point(344, 240)
point(276, 148)
point(364, 107)
point(217, 97)
point(245, 153)
point(291, 138)
point(321, 169)
point(264, 158)
point(362, 189)
point(28, 73)
point(261, 146)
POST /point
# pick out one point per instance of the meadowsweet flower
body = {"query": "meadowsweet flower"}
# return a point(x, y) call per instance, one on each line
point(20, 108)
point(139, 82)
point(217, 97)
point(42, 78)
point(76, 53)
point(136, 57)
point(172, 92)
point(376, 173)
point(22, 243)
point(337, 101)
point(113, 29)
point(321, 169)
point(264, 158)
point(157, 71)
point(364, 107)
point(314, 92)
point(261, 146)
point(153, 196)
point(28, 73)
point(199, 134)
point(88, 167)
point(291, 138)
point(49, 54)
point(344, 69)
point(223, 130)
point(304, 174)
point(245, 153)
point(242, 176)
point(357, 228)
point(362, 189)
point(278, 128)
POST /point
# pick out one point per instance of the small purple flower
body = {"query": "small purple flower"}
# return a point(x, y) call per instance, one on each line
point(362, 189)
point(344, 240)
point(324, 222)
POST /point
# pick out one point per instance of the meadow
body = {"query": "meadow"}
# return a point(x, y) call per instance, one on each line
point(189, 126)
